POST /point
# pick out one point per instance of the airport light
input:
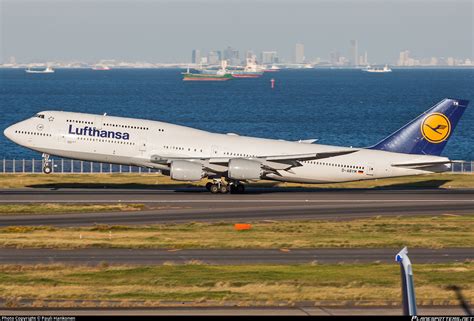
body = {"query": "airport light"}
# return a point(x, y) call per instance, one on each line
point(408, 287)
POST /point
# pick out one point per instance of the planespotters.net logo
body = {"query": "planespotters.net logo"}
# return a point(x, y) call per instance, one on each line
point(417, 318)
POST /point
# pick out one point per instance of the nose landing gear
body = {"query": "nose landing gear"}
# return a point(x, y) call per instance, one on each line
point(47, 169)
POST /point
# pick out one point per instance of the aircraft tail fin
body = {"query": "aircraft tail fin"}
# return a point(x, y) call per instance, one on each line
point(428, 133)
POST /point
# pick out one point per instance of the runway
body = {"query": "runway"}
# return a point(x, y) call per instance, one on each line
point(94, 256)
point(195, 204)
point(239, 311)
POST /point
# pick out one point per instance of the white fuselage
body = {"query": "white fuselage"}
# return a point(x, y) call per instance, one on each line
point(132, 141)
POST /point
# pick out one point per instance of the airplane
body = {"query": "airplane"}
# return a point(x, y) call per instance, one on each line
point(229, 161)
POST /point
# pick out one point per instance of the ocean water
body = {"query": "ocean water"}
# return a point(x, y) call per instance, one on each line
point(338, 107)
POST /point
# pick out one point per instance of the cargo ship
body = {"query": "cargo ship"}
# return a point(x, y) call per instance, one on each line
point(208, 75)
point(251, 70)
point(246, 74)
point(189, 76)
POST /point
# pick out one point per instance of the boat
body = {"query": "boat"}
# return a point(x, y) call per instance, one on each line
point(188, 76)
point(246, 74)
point(251, 70)
point(377, 69)
point(101, 67)
point(208, 75)
point(48, 70)
point(273, 68)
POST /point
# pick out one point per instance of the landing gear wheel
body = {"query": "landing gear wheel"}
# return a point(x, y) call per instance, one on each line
point(208, 186)
point(214, 189)
point(47, 169)
point(224, 189)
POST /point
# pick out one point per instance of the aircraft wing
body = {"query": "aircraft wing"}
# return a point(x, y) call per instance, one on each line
point(271, 162)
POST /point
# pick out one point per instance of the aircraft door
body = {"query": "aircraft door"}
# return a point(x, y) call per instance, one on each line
point(142, 145)
point(214, 151)
point(99, 121)
point(369, 170)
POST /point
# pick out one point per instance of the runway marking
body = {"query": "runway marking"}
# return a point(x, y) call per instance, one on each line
point(239, 201)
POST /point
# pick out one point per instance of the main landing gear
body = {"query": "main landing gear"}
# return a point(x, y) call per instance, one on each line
point(218, 186)
point(47, 169)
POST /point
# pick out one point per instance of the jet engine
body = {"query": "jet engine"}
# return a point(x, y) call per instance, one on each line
point(244, 169)
point(182, 170)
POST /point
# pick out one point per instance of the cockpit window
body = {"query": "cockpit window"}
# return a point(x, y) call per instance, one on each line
point(39, 116)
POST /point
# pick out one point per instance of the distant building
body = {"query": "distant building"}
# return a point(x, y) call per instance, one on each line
point(196, 56)
point(334, 57)
point(269, 57)
point(232, 56)
point(403, 58)
point(354, 53)
point(299, 53)
point(251, 55)
point(363, 61)
point(343, 61)
point(213, 58)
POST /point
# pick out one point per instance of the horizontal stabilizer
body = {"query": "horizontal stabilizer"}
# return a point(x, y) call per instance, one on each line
point(423, 164)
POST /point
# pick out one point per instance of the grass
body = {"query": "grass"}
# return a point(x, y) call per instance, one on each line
point(55, 208)
point(247, 285)
point(151, 181)
point(428, 232)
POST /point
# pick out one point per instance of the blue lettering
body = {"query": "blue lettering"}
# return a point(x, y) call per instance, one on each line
point(88, 131)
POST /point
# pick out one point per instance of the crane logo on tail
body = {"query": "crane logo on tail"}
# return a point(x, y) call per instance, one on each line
point(435, 128)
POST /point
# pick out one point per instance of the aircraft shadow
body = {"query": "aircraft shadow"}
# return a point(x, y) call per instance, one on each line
point(251, 189)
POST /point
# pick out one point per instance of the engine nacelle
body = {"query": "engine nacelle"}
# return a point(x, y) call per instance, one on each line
point(244, 169)
point(182, 170)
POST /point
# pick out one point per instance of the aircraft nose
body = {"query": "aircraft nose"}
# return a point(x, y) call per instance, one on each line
point(9, 131)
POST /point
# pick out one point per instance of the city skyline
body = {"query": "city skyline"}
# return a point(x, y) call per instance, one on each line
point(161, 31)
point(235, 57)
